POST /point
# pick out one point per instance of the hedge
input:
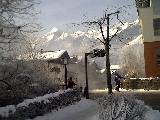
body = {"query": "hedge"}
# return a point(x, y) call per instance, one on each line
point(31, 108)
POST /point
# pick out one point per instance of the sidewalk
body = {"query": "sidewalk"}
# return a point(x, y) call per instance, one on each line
point(87, 110)
point(83, 110)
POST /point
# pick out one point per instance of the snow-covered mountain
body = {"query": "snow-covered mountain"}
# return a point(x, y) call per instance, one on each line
point(79, 42)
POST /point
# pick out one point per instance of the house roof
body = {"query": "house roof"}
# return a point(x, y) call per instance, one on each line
point(54, 56)
point(51, 54)
point(112, 68)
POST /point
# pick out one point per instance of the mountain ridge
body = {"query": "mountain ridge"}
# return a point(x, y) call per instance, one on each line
point(79, 42)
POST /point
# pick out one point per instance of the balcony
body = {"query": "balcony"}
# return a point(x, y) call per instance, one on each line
point(142, 3)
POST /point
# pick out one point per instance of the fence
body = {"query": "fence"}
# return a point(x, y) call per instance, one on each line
point(142, 83)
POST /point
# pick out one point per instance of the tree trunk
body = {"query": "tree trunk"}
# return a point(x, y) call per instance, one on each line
point(107, 59)
point(108, 73)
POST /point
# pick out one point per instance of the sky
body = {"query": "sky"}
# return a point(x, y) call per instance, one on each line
point(60, 13)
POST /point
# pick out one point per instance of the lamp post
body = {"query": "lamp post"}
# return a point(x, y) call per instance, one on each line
point(86, 72)
point(65, 71)
point(94, 53)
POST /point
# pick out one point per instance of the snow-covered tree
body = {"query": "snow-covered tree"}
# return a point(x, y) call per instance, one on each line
point(17, 25)
point(23, 79)
point(132, 58)
point(13, 24)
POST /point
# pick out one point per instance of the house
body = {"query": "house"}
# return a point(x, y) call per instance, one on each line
point(53, 63)
point(113, 68)
point(149, 17)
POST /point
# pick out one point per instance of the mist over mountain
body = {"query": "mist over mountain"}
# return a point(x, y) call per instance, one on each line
point(79, 42)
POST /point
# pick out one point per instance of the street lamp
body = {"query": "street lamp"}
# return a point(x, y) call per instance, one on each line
point(86, 72)
point(94, 53)
point(65, 62)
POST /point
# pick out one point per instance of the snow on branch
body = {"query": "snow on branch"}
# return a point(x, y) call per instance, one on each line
point(121, 107)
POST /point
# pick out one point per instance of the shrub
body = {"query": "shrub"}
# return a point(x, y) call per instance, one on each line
point(31, 108)
point(121, 107)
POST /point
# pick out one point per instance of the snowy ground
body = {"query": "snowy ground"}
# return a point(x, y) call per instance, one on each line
point(85, 110)
point(124, 90)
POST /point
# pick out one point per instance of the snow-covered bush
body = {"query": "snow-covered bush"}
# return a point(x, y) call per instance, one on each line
point(121, 107)
point(132, 58)
point(31, 108)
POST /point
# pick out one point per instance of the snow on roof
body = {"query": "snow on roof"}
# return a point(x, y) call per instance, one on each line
point(51, 55)
point(112, 67)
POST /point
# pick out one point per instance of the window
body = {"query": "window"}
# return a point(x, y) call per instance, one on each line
point(143, 3)
point(158, 56)
point(156, 8)
point(156, 26)
point(54, 69)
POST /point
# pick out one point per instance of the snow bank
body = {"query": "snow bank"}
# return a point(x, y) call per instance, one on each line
point(5, 111)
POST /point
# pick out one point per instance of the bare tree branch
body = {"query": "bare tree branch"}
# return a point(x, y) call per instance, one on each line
point(115, 34)
point(120, 39)
point(119, 20)
point(9, 86)
point(11, 30)
point(101, 40)
point(101, 31)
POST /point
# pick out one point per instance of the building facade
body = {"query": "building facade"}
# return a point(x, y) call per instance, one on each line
point(149, 17)
point(52, 64)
